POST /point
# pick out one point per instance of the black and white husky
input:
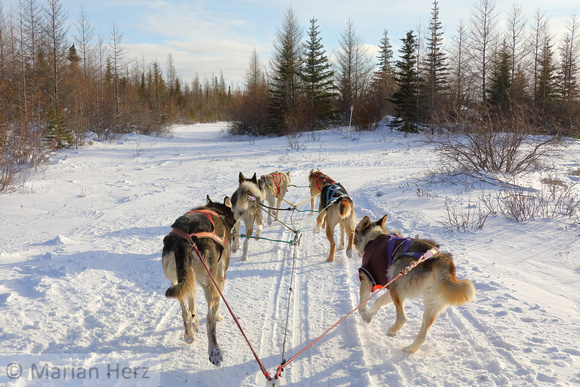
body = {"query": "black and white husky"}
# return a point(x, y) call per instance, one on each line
point(246, 205)
point(209, 228)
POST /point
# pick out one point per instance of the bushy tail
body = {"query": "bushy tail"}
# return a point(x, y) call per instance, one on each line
point(183, 272)
point(344, 208)
point(452, 290)
point(458, 292)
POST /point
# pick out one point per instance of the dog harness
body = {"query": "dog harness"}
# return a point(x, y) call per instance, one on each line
point(276, 183)
point(334, 192)
point(202, 234)
point(322, 180)
point(375, 263)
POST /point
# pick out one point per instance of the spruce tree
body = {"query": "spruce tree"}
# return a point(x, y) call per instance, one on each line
point(546, 90)
point(383, 84)
point(316, 77)
point(406, 99)
point(435, 65)
point(284, 84)
point(498, 94)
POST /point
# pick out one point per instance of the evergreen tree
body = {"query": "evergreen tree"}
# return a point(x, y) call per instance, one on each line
point(498, 94)
point(316, 77)
point(435, 65)
point(383, 83)
point(406, 99)
point(284, 84)
point(385, 54)
point(569, 62)
point(546, 90)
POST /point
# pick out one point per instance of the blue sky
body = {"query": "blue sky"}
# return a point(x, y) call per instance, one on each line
point(206, 36)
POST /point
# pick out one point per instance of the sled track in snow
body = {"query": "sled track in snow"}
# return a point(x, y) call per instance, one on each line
point(310, 316)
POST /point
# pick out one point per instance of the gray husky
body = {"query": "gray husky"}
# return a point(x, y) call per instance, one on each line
point(209, 227)
point(433, 279)
point(246, 205)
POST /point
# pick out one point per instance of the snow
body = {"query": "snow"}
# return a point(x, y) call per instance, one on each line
point(82, 287)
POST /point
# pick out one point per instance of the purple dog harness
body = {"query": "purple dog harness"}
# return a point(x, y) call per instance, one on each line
point(375, 263)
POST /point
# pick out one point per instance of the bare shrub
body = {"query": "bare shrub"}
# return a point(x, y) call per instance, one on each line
point(471, 219)
point(520, 206)
point(495, 143)
point(552, 200)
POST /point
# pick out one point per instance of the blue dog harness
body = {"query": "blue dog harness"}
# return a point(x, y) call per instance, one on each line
point(334, 192)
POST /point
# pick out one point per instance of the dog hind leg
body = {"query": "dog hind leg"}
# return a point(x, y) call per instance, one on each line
point(342, 237)
point(192, 309)
point(434, 306)
point(213, 302)
point(330, 237)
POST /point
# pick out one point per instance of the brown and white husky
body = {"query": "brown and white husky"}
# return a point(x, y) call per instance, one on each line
point(433, 279)
point(276, 187)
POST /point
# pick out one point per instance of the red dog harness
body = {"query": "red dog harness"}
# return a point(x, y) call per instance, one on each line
point(202, 234)
point(375, 264)
point(322, 180)
point(277, 183)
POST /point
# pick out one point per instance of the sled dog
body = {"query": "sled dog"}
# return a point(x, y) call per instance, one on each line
point(276, 187)
point(317, 180)
point(434, 279)
point(336, 207)
point(209, 227)
point(246, 205)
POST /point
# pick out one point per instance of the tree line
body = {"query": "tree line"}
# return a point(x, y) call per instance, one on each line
point(480, 70)
point(58, 82)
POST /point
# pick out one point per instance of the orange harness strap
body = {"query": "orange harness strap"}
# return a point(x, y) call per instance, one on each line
point(202, 234)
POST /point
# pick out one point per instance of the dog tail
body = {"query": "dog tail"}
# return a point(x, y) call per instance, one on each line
point(452, 290)
point(344, 207)
point(184, 272)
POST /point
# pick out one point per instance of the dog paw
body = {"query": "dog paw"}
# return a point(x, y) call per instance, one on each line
point(189, 339)
point(219, 317)
point(215, 357)
point(349, 253)
point(341, 246)
point(316, 230)
point(367, 317)
point(410, 348)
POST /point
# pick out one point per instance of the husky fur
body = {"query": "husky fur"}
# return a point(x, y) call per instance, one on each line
point(183, 267)
point(317, 180)
point(433, 279)
point(246, 205)
point(276, 187)
point(335, 207)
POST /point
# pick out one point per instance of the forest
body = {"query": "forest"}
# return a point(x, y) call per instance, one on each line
point(57, 83)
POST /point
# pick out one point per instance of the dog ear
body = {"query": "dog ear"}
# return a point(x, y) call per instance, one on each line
point(254, 179)
point(208, 201)
point(365, 223)
point(228, 202)
point(383, 220)
point(241, 177)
